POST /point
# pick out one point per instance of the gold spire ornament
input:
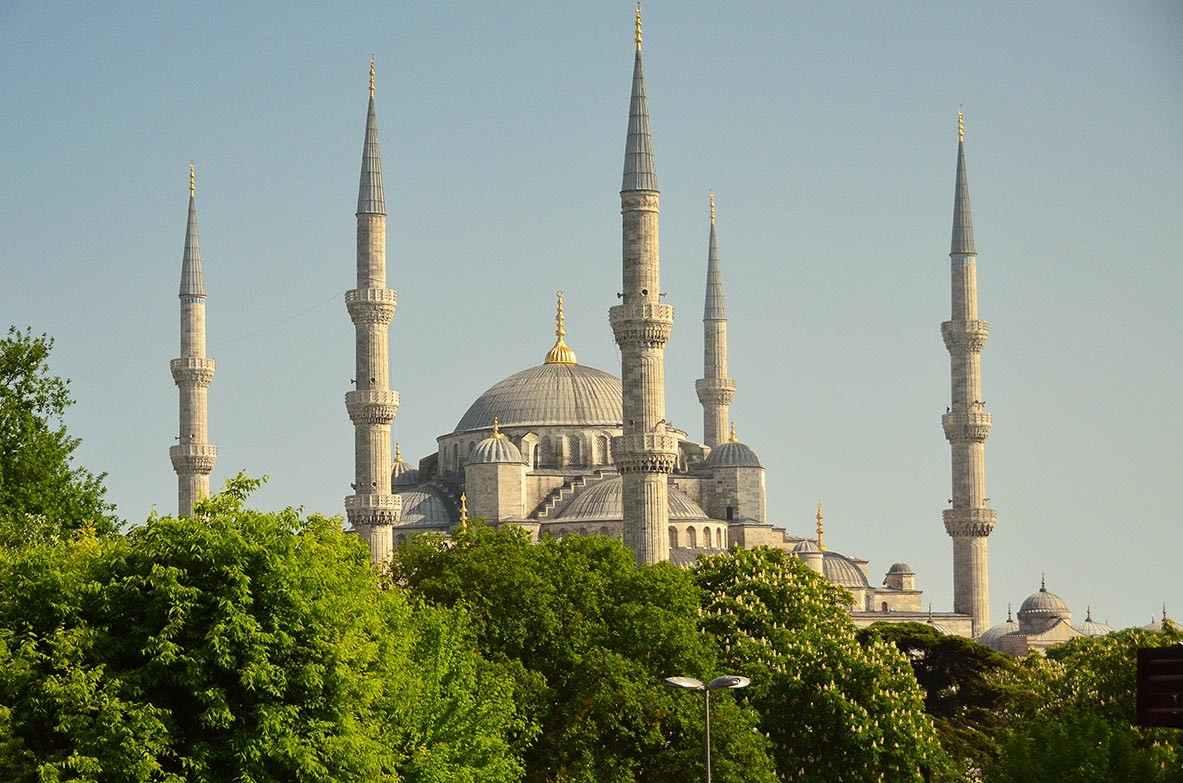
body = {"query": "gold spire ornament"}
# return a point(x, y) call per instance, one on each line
point(398, 453)
point(497, 428)
point(821, 531)
point(560, 353)
point(712, 208)
point(732, 438)
point(371, 76)
point(463, 511)
point(960, 125)
point(192, 180)
point(638, 27)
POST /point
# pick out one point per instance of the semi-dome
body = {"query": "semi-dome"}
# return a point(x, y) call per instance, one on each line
point(555, 394)
point(806, 546)
point(732, 454)
point(495, 449)
point(841, 570)
point(424, 508)
point(1044, 606)
point(605, 502)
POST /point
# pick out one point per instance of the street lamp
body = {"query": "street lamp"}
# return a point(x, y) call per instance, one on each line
point(729, 681)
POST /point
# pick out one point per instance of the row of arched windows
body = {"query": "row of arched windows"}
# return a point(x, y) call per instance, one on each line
point(554, 452)
point(692, 537)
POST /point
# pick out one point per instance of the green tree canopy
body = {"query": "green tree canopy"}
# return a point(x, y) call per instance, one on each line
point(834, 710)
point(591, 636)
point(236, 645)
point(42, 493)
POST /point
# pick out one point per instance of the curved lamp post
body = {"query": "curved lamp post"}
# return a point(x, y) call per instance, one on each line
point(729, 681)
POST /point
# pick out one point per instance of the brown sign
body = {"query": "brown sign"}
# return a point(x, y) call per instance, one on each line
point(1160, 686)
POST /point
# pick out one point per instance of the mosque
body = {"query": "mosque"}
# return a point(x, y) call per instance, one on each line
point(565, 449)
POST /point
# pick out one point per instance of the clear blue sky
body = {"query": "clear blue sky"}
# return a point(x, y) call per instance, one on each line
point(827, 131)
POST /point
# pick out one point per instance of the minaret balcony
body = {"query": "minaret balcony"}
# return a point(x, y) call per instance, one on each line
point(962, 336)
point(193, 371)
point(647, 324)
point(646, 452)
point(970, 522)
point(966, 427)
point(193, 457)
point(373, 509)
point(372, 406)
point(371, 305)
point(715, 391)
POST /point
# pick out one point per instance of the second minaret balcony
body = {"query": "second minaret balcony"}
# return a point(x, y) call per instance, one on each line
point(371, 305)
point(715, 391)
point(645, 323)
point(372, 406)
point(193, 371)
point(966, 427)
point(961, 336)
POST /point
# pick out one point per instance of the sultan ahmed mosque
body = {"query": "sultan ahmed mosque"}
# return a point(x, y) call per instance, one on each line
point(562, 448)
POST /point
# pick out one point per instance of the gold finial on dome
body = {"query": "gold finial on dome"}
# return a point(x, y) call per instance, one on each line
point(497, 428)
point(398, 453)
point(732, 438)
point(371, 76)
point(712, 208)
point(638, 27)
point(960, 124)
point(821, 531)
point(192, 179)
point(560, 353)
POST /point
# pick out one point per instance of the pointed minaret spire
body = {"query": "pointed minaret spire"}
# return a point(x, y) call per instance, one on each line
point(715, 390)
point(193, 457)
point(646, 453)
point(370, 198)
point(967, 426)
point(963, 224)
point(372, 509)
point(639, 171)
point(821, 531)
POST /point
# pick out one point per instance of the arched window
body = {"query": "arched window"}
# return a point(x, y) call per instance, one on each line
point(719, 538)
point(691, 538)
point(401, 541)
point(602, 450)
point(673, 537)
point(706, 538)
point(546, 457)
point(885, 606)
point(574, 449)
point(455, 456)
point(730, 513)
point(604, 531)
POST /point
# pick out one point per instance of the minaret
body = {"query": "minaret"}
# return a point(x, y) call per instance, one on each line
point(647, 452)
point(966, 424)
point(193, 457)
point(372, 509)
point(715, 389)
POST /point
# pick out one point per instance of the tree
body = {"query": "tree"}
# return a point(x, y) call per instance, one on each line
point(1082, 726)
point(236, 645)
point(833, 709)
point(968, 687)
point(42, 493)
point(590, 637)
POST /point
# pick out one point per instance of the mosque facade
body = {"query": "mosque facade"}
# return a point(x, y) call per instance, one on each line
point(563, 449)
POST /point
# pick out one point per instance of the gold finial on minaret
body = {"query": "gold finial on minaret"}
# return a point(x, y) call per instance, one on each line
point(733, 439)
point(371, 76)
point(712, 208)
point(463, 511)
point(821, 531)
point(192, 179)
point(638, 27)
point(960, 124)
point(560, 353)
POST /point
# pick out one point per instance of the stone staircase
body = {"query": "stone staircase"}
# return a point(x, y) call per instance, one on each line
point(553, 504)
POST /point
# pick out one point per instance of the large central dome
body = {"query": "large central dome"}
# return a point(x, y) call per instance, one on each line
point(554, 394)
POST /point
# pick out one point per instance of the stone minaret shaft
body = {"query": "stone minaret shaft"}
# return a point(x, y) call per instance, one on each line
point(647, 452)
point(372, 509)
point(966, 424)
point(715, 389)
point(193, 457)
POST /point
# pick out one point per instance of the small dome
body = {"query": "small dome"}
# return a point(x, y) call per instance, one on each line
point(992, 636)
point(901, 568)
point(841, 570)
point(941, 628)
point(496, 449)
point(424, 508)
point(605, 502)
point(1157, 625)
point(1092, 628)
point(401, 473)
point(806, 547)
point(732, 454)
point(1044, 605)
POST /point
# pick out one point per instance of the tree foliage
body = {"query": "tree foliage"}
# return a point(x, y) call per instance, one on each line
point(236, 645)
point(590, 636)
point(834, 710)
point(42, 493)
